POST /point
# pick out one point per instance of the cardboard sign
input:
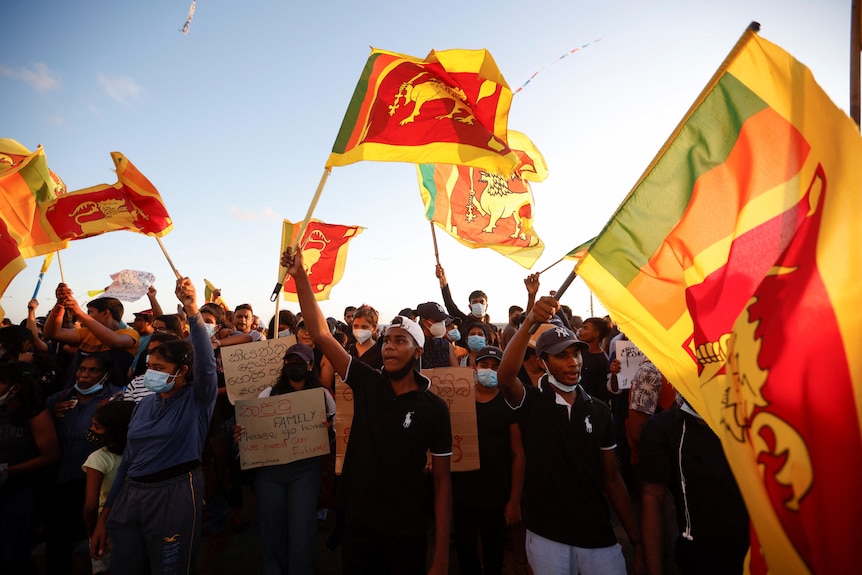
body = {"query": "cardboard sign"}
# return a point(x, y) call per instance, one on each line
point(250, 367)
point(282, 428)
point(452, 384)
point(631, 359)
point(455, 386)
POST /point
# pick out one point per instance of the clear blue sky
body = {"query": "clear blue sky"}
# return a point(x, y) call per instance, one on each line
point(233, 123)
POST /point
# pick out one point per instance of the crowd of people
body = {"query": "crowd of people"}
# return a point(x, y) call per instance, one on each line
point(123, 436)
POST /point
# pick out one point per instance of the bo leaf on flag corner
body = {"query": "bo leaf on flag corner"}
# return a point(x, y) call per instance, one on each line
point(324, 254)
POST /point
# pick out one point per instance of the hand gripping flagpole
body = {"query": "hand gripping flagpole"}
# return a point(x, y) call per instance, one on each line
point(568, 281)
point(304, 225)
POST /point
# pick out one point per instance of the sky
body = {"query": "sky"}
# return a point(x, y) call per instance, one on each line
point(233, 123)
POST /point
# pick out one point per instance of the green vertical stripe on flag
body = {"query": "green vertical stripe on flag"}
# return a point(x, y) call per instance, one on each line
point(649, 214)
point(351, 116)
point(426, 175)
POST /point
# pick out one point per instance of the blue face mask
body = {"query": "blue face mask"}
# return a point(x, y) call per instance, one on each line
point(454, 334)
point(95, 388)
point(157, 381)
point(476, 342)
point(487, 377)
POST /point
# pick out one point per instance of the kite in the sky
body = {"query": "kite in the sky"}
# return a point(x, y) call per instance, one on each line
point(185, 28)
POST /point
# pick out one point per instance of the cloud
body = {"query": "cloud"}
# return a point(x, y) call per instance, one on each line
point(122, 89)
point(38, 76)
point(267, 215)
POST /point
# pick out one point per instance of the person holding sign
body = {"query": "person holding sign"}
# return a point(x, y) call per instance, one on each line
point(396, 421)
point(287, 493)
point(154, 511)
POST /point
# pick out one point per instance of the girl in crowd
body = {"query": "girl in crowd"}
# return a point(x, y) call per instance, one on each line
point(154, 511)
point(108, 432)
point(477, 338)
point(73, 411)
point(28, 446)
point(287, 493)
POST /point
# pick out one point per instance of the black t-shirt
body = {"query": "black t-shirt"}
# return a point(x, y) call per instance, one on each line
point(594, 375)
point(564, 498)
point(373, 356)
point(490, 486)
point(383, 473)
point(717, 514)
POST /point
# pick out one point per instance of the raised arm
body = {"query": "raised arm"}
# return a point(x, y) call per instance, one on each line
point(38, 344)
point(105, 334)
point(205, 381)
point(154, 303)
point(447, 294)
point(314, 319)
point(513, 356)
point(531, 282)
point(54, 324)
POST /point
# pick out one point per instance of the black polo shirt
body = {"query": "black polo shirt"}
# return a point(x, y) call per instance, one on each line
point(563, 497)
point(383, 474)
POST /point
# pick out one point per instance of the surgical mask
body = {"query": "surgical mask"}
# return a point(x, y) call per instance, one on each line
point(285, 333)
point(211, 329)
point(93, 389)
point(476, 342)
point(454, 334)
point(97, 438)
point(157, 381)
point(487, 377)
point(438, 329)
point(478, 309)
point(362, 335)
point(561, 386)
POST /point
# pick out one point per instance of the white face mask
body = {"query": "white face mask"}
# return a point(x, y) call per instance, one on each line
point(478, 309)
point(438, 329)
point(561, 386)
point(362, 335)
point(211, 329)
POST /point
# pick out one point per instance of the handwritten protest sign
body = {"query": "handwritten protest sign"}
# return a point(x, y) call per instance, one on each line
point(631, 359)
point(282, 428)
point(250, 367)
point(452, 384)
point(129, 285)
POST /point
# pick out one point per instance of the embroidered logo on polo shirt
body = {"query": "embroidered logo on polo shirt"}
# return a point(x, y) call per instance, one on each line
point(588, 425)
point(407, 419)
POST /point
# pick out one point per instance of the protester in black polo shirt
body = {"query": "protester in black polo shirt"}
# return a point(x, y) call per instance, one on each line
point(396, 421)
point(569, 444)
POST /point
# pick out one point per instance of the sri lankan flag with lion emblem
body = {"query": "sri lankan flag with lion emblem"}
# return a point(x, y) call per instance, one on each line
point(450, 108)
point(324, 255)
point(485, 209)
point(132, 204)
point(734, 264)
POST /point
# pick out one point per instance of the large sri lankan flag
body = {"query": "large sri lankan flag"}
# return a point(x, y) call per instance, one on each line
point(132, 204)
point(450, 108)
point(324, 255)
point(484, 209)
point(751, 211)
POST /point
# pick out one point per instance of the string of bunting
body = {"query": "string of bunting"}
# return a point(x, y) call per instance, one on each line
point(557, 61)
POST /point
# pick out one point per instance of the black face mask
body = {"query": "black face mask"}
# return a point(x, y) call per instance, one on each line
point(97, 438)
point(401, 373)
point(295, 371)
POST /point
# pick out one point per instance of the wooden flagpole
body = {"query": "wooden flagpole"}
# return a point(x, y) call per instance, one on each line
point(304, 225)
point(552, 265)
point(60, 264)
point(170, 263)
point(434, 237)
